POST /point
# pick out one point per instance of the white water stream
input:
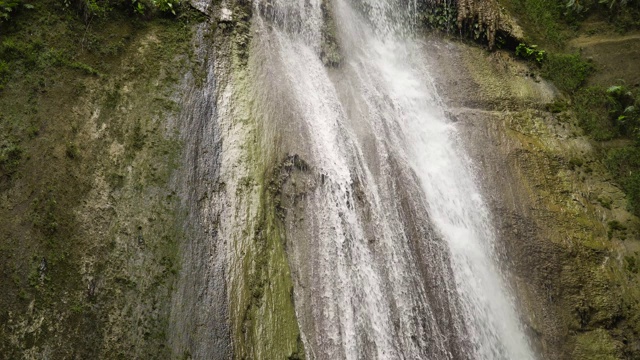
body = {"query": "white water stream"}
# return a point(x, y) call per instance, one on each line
point(395, 258)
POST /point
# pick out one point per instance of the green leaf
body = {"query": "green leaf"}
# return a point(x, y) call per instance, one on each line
point(615, 89)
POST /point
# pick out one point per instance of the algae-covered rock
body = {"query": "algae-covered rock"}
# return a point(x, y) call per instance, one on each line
point(548, 190)
point(597, 345)
point(329, 47)
point(90, 221)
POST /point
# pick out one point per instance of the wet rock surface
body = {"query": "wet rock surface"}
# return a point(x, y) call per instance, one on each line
point(546, 190)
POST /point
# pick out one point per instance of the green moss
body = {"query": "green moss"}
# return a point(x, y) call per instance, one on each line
point(10, 156)
point(632, 264)
point(567, 71)
point(589, 105)
point(263, 320)
point(599, 286)
point(77, 172)
point(597, 345)
point(605, 202)
point(543, 20)
point(624, 163)
point(624, 14)
point(269, 325)
point(441, 16)
point(265, 324)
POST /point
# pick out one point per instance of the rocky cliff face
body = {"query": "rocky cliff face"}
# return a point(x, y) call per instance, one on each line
point(91, 219)
point(556, 206)
point(141, 217)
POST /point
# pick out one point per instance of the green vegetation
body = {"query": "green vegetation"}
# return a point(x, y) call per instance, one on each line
point(10, 155)
point(606, 114)
point(624, 13)
point(102, 8)
point(602, 300)
point(610, 116)
point(7, 7)
point(544, 20)
point(567, 71)
point(531, 52)
point(615, 226)
point(624, 163)
point(164, 5)
point(589, 105)
point(597, 345)
point(623, 106)
point(263, 319)
point(85, 162)
point(551, 23)
point(478, 20)
point(441, 16)
point(632, 264)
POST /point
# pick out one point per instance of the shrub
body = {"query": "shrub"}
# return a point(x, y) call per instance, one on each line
point(441, 16)
point(623, 110)
point(582, 7)
point(167, 6)
point(543, 20)
point(590, 107)
point(89, 8)
point(631, 264)
point(4, 73)
point(10, 155)
point(624, 164)
point(567, 71)
point(625, 14)
point(138, 6)
point(531, 52)
point(7, 7)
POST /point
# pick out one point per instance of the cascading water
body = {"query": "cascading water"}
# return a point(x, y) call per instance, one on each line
point(392, 256)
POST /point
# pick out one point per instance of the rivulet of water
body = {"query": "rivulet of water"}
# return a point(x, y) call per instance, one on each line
point(392, 251)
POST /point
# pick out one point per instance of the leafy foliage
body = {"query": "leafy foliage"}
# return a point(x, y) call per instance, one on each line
point(441, 16)
point(624, 14)
point(7, 7)
point(531, 52)
point(623, 111)
point(624, 163)
point(101, 8)
point(480, 20)
point(167, 5)
point(604, 114)
point(584, 6)
point(612, 113)
point(138, 7)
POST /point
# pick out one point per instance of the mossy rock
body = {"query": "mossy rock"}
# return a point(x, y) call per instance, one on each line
point(597, 345)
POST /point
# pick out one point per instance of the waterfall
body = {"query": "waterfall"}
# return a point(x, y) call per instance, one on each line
point(391, 246)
